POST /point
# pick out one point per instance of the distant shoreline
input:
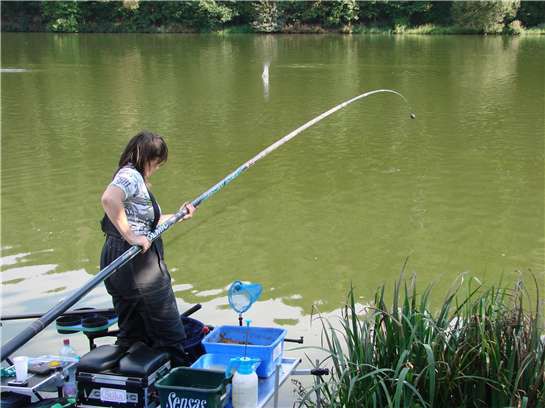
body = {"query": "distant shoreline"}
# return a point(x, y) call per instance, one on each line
point(425, 29)
point(508, 17)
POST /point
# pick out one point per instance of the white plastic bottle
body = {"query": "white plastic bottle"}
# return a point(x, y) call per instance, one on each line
point(244, 384)
point(67, 353)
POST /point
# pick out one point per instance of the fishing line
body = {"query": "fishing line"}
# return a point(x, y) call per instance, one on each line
point(38, 325)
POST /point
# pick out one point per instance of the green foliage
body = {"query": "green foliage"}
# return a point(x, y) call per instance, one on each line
point(531, 13)
point(537, 30)
point(24, 16)
point(514, 27)
point(297, 12)
point(243, 12)
point(62, 16)
point(313, 16)
point(435, 29)
point(335, 13)
point(485, 16)
point(439, 14)
point(480, 348)
point(392, 12)
point(267, 17)
point(205, 14)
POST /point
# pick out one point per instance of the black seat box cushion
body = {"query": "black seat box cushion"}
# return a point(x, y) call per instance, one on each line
point(101, 359)
point(141, 361)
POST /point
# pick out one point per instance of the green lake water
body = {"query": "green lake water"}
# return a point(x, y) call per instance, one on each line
point(458, 190)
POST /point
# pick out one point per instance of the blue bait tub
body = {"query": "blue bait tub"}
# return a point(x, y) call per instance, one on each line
point(265, 343)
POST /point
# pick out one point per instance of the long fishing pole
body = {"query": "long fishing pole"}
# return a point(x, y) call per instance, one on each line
point(38, 325)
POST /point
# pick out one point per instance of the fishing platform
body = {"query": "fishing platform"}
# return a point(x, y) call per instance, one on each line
point(142, 377)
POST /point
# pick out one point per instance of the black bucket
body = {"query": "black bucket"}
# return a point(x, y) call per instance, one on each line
point(192, 344)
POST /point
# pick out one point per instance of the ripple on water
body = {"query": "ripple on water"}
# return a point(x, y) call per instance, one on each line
point(13, 70)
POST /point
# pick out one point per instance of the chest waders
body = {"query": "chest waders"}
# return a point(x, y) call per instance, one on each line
point(142, 294)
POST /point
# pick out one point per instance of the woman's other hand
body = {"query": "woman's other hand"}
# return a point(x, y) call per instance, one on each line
point(190, 210)
point(141, 241)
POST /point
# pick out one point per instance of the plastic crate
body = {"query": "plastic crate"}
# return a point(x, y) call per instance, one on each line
point(186, 386)
point(216, 362)
point(265, 343)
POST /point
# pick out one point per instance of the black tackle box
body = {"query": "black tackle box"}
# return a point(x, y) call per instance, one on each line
point(109, 376)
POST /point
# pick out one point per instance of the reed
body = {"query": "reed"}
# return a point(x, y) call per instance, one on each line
point(481, 348)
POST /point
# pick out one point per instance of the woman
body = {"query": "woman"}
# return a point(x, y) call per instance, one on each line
point(141, 290)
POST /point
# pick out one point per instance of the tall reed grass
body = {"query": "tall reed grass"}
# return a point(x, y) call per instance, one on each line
point(482, 347)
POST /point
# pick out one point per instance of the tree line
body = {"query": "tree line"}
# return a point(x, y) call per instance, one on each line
point(265, 16)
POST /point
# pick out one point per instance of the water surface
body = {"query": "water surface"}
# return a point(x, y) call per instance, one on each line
point(460, 189)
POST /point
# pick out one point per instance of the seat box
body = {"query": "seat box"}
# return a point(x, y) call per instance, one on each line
point(126, 380)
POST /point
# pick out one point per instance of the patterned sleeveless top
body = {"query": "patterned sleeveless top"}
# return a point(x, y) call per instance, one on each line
point(137, 201)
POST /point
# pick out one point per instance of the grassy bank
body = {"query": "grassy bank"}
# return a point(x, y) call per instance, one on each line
point(481, 348)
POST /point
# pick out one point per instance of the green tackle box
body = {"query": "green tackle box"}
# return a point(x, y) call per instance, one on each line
point(193, 387)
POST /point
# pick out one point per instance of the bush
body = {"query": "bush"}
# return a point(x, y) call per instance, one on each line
point(266, 17)
point(515, 27)
point(480, 349)
point(485, 16)
point(21, 16)
point(400, 25)
point(531, 13)
point(336, 13)
point(388, 12)
point(537, 30)
point(209, 14)
point(61, 16)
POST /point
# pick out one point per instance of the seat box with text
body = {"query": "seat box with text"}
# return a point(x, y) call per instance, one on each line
point(108, 376)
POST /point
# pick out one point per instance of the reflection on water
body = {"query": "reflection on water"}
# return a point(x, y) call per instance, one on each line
point(458, 189)
point(265, 79)
point(12, 70)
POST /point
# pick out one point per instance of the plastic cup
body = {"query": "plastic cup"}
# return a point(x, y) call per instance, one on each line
point(21, 368)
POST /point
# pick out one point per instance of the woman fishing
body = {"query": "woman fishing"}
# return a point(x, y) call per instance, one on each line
point(141, 290)
point(145, 152)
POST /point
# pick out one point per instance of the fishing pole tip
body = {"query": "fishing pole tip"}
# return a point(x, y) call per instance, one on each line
point(413, 116)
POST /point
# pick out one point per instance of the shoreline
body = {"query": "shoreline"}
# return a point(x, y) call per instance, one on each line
point(426, 29)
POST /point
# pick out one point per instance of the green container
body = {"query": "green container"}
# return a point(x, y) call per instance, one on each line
point(192, 387)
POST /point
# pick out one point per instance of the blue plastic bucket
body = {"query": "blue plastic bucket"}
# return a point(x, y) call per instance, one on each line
point(265, 343)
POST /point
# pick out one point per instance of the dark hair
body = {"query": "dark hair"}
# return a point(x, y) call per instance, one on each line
point(142, 149)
